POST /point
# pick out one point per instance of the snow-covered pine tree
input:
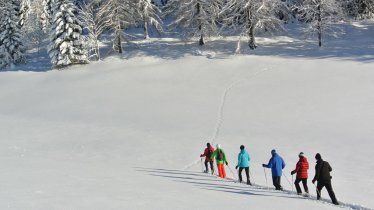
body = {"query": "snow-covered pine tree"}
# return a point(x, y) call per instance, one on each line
point(252, 16)
point(121, 14)
point(358, 9)
point(320, 17)
point(11, 44)
point(66, 42)
point(89, 14)
point(33, 28)
point(24, 11)
point(150, 15)
point(47, 16)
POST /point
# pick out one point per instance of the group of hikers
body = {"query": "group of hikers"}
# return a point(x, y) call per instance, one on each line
point(276, 164)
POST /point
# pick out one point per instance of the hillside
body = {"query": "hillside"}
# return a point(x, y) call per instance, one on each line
point(127, 132)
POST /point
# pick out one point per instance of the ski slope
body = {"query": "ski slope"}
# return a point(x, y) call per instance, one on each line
point(126, 133)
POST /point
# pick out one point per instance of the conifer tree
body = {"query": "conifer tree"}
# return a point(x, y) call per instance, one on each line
point(11, 40)
point(197, 18)
point(121, 14)
point(321, 17)
point(249, 17)
point(66, 42)
point(150, 16)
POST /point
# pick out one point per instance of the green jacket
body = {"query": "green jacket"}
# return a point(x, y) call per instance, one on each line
point(216, 156)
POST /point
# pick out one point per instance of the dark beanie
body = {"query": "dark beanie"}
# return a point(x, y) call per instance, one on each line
point(208, 144)
point(318, 156)
point(242, 147)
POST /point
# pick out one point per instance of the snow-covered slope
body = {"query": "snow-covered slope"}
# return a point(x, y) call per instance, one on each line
point(127, 134)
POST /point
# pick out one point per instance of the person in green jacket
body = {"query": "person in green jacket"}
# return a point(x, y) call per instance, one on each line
point(220, 156)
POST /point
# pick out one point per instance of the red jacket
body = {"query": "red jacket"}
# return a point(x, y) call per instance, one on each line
point(302, 168)
point(207, 157)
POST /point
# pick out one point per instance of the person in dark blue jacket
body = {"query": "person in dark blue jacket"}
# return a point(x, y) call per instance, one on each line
point(243, 163)
point(277, 164)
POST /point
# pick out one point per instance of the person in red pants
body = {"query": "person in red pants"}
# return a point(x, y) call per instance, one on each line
point(220, 157)
point(301, 172)
point(207, 153)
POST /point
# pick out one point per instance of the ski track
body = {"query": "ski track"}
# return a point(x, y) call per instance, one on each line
point(310, 198)
point(217, 129)
point(220, 117)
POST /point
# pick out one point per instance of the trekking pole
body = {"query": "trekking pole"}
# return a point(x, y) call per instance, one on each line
point(318, 192)
point(250, 173)
point(288, 181)
point(232, 172)
point(237, 172)
point(202, 168)
point(292, 182)
point(266, 178)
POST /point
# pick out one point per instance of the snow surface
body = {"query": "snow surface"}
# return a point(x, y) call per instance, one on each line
point(127, 133)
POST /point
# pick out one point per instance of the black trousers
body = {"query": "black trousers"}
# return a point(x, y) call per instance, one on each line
point(211, 165)
point(329, 189)
point(246, 173)
point(277, 182)
point(304, 181)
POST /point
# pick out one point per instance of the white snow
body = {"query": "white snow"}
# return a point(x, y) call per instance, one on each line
point(127, 133)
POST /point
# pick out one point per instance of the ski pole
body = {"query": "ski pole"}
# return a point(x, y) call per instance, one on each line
point(292, 182)
point(318, 192)
point(266, 178)
point(250, 173)
point(237, 172)
point(202, 168)
point(288, 181)
point(232, 172)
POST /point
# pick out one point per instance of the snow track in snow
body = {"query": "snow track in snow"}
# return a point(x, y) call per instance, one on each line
point(310, 198)
point(220, 116)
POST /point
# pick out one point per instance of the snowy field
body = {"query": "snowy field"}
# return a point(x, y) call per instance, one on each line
point(126, 133)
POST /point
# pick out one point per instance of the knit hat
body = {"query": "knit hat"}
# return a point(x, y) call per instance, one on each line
point(208, 144)
point(273, 151)
point(318, 156)
point(218, 146)
point(242, 147)
point(301, 154)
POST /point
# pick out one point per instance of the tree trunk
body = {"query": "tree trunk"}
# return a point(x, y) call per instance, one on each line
point(252, 39)
point(119, 45)
point(251, 33)
point(118, 39)
point(319, 38)
point(201, 41)
point(319, 27)
point(97, 50)
point(146, 35)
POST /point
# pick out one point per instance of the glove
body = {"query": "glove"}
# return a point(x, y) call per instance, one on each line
point(236, 167)
point(227, 163)
point(313, 181)
point(293, 172)
point(263, 165)
point(201, 155)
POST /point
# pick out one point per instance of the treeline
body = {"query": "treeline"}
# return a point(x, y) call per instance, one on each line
point(74, 28)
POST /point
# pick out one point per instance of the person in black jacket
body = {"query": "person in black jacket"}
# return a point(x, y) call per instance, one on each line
point(323, 177)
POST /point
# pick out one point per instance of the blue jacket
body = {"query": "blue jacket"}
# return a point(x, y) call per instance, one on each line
point(243, 158)
point(276, 163)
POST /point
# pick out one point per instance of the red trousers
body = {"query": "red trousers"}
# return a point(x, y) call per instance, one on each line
point(221, 170)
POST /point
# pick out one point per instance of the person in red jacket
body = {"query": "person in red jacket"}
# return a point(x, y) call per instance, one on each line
point(301, 171)
point(207, 153)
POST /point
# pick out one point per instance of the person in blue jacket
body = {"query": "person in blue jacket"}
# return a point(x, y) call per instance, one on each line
point(277, 164)
point(243, 163)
